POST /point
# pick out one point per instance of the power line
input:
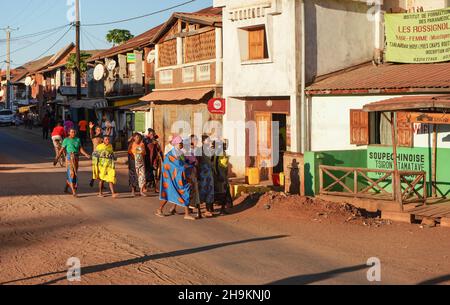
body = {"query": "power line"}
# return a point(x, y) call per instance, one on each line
point(33, 43)
point(142, 16)
point(40, 33)
point(51, 47)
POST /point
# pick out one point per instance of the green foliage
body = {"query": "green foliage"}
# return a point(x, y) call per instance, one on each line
point(118, 36)
point(72, 61)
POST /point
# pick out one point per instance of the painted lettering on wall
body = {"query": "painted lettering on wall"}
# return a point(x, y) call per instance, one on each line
point(406, 161)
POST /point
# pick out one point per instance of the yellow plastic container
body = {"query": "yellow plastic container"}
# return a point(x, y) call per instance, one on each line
point(253, 176)
point(282, 179)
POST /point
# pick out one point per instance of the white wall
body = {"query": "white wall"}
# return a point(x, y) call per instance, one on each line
point(330, 123)
point(330, 120)
point(339, 34)
point(273, 77)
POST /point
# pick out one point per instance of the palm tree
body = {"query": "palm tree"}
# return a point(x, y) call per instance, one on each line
point(118, 36)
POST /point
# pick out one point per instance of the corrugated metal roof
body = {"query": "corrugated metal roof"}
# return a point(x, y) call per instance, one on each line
point(195, 95)
point(210, 16)
point(410, 103)
point(387, 76)
point(139, 41)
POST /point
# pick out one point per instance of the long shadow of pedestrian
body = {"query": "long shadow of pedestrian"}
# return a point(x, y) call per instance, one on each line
point(313, 278)
point(144, 259)
point(436, 281)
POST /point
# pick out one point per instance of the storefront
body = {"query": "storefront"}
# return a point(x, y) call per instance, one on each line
point(184, 112)
point(271, 117)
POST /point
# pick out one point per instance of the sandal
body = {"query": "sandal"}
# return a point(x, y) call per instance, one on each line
point(190, 218)
point(209, 214)
point(160, 214)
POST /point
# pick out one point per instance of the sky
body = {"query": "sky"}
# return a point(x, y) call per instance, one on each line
point(34, 16)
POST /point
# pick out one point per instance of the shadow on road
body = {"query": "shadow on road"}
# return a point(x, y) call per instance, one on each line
point(319, 277)
point(144, 259)
point(436, 281)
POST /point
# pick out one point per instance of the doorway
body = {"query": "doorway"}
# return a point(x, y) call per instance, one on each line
point(271, 143)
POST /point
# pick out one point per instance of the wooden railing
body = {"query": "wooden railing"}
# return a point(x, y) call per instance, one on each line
point(372, 184)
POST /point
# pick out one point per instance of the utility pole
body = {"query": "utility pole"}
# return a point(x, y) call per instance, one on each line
point(8, 66)
point(77, 43)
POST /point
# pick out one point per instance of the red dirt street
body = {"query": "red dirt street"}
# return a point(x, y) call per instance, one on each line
point(122, 242)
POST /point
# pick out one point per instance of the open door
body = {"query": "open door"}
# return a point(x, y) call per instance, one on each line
point(264, 142)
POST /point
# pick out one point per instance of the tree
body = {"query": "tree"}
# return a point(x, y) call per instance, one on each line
point(118, 36)
point(72, 62)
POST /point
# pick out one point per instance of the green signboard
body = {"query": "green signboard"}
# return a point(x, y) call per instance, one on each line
point(422, 37)
point(131, 58)
point(139, 122)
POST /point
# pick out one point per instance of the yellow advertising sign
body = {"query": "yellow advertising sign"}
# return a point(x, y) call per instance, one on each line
point(422, 37)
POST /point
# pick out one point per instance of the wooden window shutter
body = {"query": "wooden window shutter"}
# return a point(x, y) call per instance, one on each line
point(359, 127)
point(256, 43)
point(405, 134)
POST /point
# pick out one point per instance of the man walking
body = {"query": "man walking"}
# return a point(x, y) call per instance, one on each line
point(82, 130)
point(45, 127)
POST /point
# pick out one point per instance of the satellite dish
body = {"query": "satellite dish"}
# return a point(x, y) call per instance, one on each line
point(99, 72)
point(112, 65)
point(151, 56)
point(28, 81)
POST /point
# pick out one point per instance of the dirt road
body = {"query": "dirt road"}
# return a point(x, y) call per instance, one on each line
point(122, 242)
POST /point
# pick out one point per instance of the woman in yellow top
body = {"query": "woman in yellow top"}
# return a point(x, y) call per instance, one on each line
point(105, 167)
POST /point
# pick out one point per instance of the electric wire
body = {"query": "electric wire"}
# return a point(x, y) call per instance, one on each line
point(139, 17)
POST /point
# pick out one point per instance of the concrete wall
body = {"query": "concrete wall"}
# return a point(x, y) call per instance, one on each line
point(272, 77)
point(330, 123)
point(339, 34)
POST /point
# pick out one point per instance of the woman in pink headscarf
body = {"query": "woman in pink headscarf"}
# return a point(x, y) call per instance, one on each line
point(175, 186)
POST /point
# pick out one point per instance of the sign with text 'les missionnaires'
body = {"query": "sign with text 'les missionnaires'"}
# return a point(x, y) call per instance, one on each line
point(422, 37)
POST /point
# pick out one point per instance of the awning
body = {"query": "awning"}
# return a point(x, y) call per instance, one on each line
point(142, 106)
point(89, 104)
point(410, 103)
point(186, 95)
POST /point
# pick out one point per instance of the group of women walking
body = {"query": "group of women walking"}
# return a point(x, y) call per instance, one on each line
point(185, 174)
point(194, 176)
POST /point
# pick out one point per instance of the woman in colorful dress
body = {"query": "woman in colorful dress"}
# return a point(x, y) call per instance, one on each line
point(105, 166)
point(138, 152)
point(175, 187)
point(206, 177)
point(222, 192)
point(72, 147)
point(132, 176)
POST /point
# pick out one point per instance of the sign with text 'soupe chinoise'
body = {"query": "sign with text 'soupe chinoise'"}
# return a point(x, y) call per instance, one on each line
point(422, 37)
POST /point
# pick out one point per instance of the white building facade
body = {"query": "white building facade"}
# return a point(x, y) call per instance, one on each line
point(270, 53)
